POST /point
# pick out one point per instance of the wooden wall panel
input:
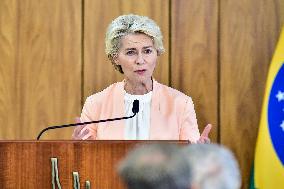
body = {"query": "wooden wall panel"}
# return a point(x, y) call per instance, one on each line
point(194, 57)
point(98, 71)
point(40, 66)
point(249, 31)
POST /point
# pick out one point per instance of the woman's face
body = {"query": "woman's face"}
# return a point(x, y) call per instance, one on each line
point(138, 57)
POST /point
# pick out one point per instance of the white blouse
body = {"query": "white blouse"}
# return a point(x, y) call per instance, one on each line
point(137, 128)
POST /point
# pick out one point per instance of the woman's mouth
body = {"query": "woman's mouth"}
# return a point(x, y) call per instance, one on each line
point(140, 72)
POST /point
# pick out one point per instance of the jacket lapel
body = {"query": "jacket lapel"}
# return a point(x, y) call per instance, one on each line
point(114, 108)
point(155, 111)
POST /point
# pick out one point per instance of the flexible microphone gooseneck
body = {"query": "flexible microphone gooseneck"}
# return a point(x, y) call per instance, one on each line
point(135, 110)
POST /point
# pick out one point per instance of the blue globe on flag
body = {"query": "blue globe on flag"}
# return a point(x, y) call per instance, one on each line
point(276, 114)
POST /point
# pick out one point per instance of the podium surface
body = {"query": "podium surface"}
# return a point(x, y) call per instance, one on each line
point(27, 164)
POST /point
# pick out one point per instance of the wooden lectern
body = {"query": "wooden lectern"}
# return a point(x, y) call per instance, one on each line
point(27, 164)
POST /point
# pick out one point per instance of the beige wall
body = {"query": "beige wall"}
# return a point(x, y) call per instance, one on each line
point(218, 51)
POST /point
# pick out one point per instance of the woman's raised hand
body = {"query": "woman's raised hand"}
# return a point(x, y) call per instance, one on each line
point(204, 139)
point(81, 132)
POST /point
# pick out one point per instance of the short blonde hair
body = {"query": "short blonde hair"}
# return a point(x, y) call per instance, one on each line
point(129, 24)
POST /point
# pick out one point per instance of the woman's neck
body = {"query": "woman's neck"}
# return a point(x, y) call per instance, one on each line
point(138, 88)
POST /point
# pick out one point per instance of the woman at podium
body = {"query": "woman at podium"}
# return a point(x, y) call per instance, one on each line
point(133, 45)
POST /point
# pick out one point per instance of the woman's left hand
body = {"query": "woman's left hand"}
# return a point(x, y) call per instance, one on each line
point(204, 139)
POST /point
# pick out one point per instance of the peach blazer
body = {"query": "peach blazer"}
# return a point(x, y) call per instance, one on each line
point(172, 114)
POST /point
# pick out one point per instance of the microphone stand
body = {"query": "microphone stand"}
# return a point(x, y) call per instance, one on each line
point(84, 123)
point(135, 110)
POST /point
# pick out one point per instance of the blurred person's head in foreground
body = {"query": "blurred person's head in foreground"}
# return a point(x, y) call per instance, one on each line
point(156, 166)
point(213, 167)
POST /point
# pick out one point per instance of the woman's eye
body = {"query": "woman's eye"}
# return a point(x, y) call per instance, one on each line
point(148, 51)
point(130, 53)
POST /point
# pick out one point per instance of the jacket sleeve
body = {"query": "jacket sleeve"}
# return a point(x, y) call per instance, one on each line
point(189, 128)
point(86, 115)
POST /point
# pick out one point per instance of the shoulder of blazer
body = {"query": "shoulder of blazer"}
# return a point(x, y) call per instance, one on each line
point(103, 95)
point(169, 92)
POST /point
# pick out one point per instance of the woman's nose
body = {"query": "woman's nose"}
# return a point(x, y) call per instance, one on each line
point(140, 59)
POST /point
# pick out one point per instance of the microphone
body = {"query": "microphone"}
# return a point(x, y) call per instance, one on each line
point(135, 110)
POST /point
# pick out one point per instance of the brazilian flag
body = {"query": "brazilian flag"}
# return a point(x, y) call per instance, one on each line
point(268, 172)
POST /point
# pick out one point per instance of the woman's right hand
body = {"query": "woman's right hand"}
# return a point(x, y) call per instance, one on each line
point(204, 139)
point(81, 132)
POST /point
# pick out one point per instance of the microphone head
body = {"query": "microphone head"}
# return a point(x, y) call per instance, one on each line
point(135, 107)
